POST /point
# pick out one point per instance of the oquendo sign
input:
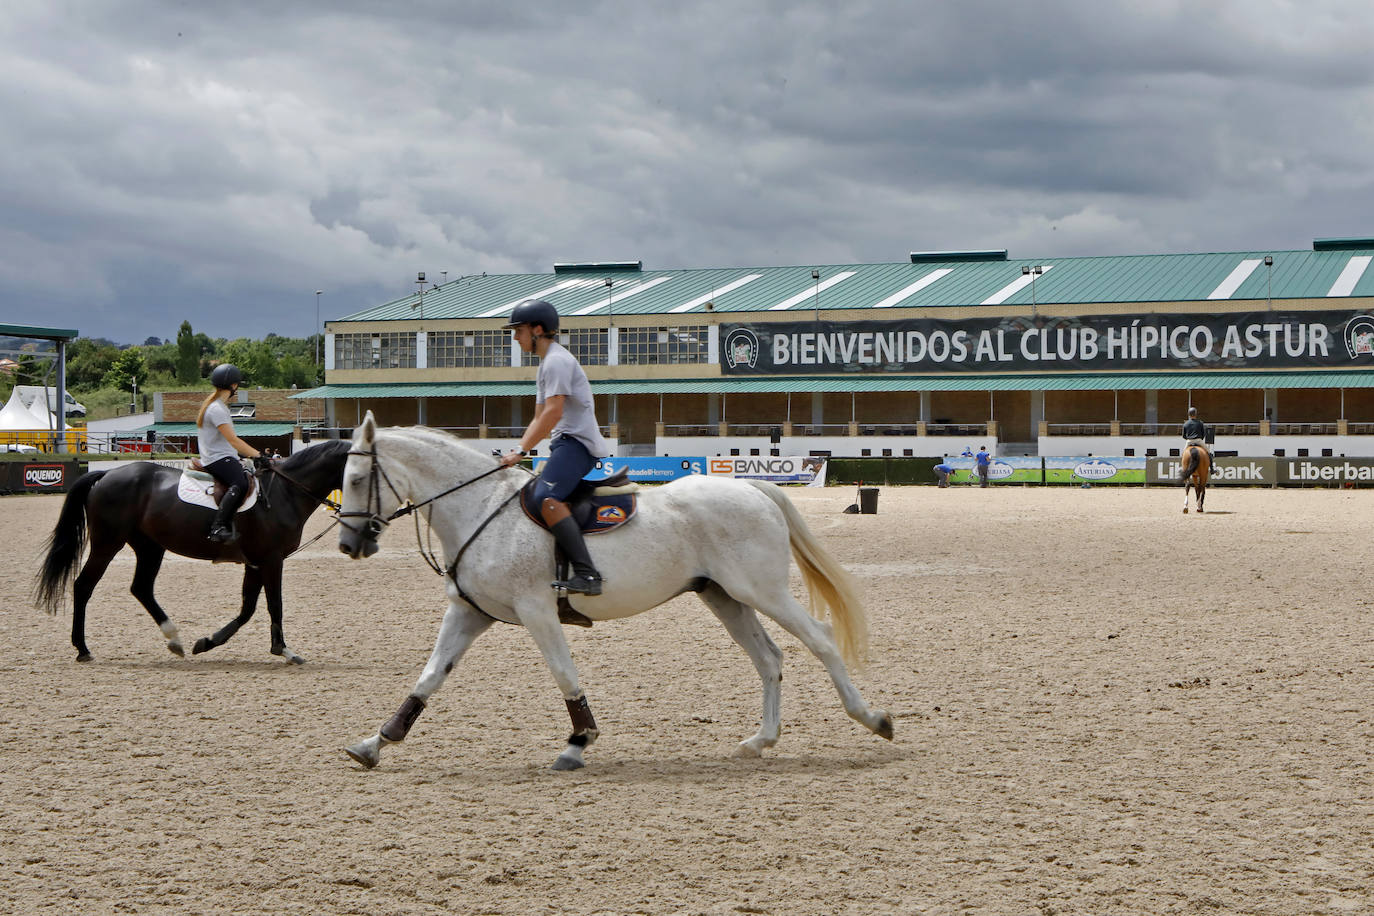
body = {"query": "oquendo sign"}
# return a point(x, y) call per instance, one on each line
point(40, 476)
point(1325, 339)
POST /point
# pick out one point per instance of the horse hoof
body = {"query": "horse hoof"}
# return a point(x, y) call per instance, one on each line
point(567, 763)
point(295, 659)
point(884, 729)
point(176, 649)
point(746, 750)
point(204, 644)
point(362, 755)
point(83, 656)
point(1185, 511)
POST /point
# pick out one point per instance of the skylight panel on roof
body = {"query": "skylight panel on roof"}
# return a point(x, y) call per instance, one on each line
point(1020, 283)
point(506, 309)
point(811, 291)
point(914, 288)
point(1232, 283)
point(621, 296)
point(702, 300)
point(1354, 269)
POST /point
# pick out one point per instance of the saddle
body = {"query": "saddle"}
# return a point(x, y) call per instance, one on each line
point(201, 489)
point(597, 506)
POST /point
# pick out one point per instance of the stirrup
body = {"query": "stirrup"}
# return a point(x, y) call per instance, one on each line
point(580, 584)
point(222, 535)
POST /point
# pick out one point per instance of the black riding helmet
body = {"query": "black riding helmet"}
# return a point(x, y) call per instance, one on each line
point(534, 311)
point(226, 375)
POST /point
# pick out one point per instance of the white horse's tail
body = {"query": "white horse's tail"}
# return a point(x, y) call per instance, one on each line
point(828, 585)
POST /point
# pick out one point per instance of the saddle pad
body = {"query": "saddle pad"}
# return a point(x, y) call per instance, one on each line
point(198, 489)
point(597, 514)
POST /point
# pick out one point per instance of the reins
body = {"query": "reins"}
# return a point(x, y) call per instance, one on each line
point(376, 523)
point(322, 500)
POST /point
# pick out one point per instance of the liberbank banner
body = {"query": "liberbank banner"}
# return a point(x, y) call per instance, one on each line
point(1254, 340)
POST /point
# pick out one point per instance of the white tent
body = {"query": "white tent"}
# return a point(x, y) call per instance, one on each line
point(15, 416)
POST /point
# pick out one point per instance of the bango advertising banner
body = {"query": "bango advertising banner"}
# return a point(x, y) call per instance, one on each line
point(807, 471)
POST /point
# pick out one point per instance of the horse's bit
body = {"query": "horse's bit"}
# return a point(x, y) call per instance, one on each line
point(376, 524)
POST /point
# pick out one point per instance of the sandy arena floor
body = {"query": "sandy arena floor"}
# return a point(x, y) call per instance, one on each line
point(1103, 707)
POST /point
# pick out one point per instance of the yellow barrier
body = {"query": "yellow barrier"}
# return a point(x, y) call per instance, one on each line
point(45, 440)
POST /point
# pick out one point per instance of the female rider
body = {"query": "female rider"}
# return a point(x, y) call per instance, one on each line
point(220, 448)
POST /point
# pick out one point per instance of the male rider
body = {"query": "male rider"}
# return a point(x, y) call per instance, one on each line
point(564, 410)
point(1195, 432)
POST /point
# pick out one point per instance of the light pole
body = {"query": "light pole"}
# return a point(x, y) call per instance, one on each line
point(1032, 272)
point(420, 282)
point(1269, 282)
point(319, 331)
point(610, 304)
point(816, 278)
point(133, 408)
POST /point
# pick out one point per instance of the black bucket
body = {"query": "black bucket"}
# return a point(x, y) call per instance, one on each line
point(868, 500)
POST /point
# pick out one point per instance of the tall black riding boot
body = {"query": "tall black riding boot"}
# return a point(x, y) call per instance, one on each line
point(585, 579)
point(222, 528)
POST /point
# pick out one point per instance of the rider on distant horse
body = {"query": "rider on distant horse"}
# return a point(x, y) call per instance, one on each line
point(220, 448)
point(1195, 431)
point(564, 410)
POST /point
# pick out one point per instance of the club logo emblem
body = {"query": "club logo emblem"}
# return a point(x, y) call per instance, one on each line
point(742, 349)
point(1359, 336)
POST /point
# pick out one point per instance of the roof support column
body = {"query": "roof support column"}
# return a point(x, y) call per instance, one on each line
point(61, 383)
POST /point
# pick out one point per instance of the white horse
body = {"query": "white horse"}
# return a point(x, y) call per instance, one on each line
point(728, 540)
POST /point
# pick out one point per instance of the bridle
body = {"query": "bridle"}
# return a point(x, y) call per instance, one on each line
point(376, 523)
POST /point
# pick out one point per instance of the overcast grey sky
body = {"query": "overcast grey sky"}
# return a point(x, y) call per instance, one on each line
point(220, 162)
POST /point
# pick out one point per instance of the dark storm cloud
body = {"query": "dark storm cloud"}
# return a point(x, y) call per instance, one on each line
point(171, 160)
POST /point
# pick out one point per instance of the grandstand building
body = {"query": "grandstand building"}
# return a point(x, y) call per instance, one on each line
point(1050, 356)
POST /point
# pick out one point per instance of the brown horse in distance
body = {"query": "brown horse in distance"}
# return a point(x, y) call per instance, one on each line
point(1197, 468)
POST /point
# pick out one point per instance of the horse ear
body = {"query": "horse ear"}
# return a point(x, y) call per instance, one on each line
point(368, 431)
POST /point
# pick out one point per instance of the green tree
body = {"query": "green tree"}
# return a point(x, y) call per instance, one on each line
point(88, 359)
point(188, 355)
point(161, 359)
point(128, 367)
point(27, 372)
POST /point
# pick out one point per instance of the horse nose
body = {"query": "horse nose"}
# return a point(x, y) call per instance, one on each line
point(369, 548)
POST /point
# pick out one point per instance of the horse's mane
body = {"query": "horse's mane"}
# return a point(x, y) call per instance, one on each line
point(315, 453)
point(440, 436)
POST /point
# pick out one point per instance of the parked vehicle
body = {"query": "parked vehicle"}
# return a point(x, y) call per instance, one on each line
point(27, 394)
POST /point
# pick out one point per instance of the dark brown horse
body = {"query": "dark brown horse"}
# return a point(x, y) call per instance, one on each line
point(137, 504)
point(1197, 467)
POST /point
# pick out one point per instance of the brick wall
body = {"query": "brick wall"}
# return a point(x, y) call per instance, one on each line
point(273, 405)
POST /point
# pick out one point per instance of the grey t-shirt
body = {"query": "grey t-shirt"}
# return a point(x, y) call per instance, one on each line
point(560, 373)
point(213, 445)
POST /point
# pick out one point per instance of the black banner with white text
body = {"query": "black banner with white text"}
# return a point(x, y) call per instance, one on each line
point(1254, 340)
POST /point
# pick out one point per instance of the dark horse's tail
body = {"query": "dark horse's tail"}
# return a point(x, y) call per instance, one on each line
point(1191, 462)
point(64, 546)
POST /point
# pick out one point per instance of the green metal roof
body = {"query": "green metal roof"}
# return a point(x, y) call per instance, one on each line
point(242, 427)
point(1224, 276)
point(1084, 382)
point(23, 330)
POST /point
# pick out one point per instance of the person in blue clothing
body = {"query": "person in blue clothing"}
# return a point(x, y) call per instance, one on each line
point(565, 413)
point(983, 460)
point(942, 472)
